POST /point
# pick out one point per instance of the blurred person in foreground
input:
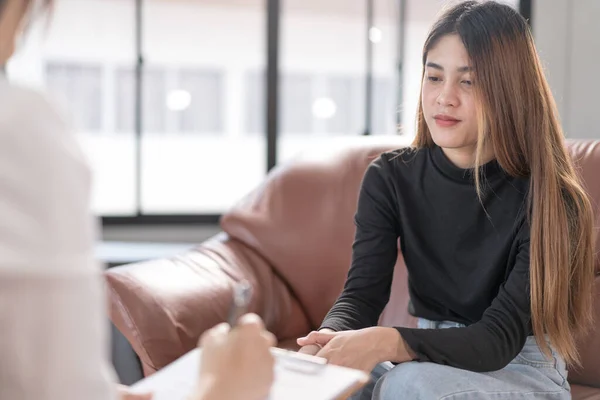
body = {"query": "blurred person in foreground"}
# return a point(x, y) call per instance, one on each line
point(53, 326)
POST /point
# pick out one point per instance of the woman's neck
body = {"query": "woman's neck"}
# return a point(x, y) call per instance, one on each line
point(464, 157)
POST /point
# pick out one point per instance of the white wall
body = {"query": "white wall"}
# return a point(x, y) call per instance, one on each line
point(567, 35)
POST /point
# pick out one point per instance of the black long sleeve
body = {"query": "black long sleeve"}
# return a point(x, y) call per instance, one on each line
point(467, 261)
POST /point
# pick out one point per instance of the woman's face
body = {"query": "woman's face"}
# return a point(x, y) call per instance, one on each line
point(11, 21)
point(448, 98)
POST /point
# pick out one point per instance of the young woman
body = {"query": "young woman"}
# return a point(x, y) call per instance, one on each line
point(53, 343)
point(496, 230)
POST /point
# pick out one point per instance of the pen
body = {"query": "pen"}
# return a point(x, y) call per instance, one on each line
point(242, 293)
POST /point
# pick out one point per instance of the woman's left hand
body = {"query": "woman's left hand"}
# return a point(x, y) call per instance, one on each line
point(360, 349)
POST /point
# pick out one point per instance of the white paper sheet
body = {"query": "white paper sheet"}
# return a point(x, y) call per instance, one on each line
point(293, 380)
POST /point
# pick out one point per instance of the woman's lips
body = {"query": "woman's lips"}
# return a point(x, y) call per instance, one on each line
point(445, 121)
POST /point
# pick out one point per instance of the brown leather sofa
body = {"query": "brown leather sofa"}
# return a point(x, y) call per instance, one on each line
point(291, 238)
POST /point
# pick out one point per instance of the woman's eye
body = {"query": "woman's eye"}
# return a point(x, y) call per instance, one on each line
point(433, 78)
point(467, 82)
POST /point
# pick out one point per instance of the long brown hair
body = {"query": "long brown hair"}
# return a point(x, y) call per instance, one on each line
point(44, 6)
point(517, 117)
point(29, 3)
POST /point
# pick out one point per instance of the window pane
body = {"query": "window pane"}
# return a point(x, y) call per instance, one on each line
point(325, 44)
point(347, 94)
point(206, 155)
point(204, 91)
point(385, 36)
point(79, 88)
point(74, 55)
point(385, 111)
point(254, 102)
point(154, 95)
point(296, 94)
point(296, 100)
point(125, 100)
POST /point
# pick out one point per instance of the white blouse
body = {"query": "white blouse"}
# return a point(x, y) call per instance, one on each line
point(54, 333)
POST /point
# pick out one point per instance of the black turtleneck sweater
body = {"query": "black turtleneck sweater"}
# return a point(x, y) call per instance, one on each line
point(467, 261)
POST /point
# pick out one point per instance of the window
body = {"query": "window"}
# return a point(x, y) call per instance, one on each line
point(322, 105)
point(203, 133)
point(388, 65)
point(296, 100)
point(327, 41)
point(204, 158)
point(153, 106)
point(79, 89)
point(343, 98)
point(203, 90)
point(254, 102)
point(125, 100)
point(385, 106)
point(185, 101)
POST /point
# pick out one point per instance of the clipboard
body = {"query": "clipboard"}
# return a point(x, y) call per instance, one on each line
point(333, 382)
point(297, 377)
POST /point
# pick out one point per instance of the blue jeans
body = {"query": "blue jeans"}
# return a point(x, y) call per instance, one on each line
point(529, 376)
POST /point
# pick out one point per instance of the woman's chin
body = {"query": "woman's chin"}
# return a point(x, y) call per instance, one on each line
point(448, 140)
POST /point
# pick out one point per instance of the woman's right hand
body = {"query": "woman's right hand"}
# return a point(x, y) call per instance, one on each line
point(312, 349)
point(237, 364)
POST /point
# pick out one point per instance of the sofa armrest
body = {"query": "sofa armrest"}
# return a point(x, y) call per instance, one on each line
point(163, 306)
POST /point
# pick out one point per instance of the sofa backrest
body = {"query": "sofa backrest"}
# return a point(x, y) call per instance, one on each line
point(301, 221)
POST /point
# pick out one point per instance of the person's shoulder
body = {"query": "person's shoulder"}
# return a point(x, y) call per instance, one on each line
point(405, 155)
point(391, 167)
point(401, 160)
point(22, 106)
point(46, 186)
point(32, 128)
point(21, 96)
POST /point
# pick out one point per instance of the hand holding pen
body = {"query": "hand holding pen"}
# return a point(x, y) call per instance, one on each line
point(236, 358)
point(242, 294)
